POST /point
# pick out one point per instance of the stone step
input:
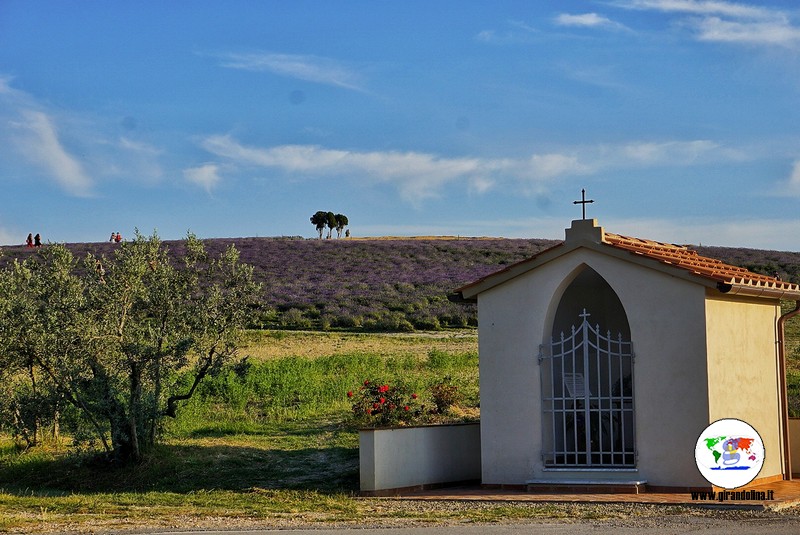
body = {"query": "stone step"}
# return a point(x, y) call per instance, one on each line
point(566, 486)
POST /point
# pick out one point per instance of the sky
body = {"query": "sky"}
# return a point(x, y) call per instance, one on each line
point(467, 118)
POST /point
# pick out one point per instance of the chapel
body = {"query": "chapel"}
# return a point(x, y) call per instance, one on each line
point(603, 358)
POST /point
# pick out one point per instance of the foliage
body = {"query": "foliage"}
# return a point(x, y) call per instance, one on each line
point(444, 395)
point(341, 223)
point(331, 222)
point(319, 220)
point(379, 404)
point(110, 336)
point(376, 404)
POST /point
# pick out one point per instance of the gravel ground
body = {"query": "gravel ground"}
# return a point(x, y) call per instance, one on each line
point(377, 513)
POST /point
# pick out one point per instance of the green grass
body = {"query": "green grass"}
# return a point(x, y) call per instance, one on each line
point(267, 439)
point(267, 443)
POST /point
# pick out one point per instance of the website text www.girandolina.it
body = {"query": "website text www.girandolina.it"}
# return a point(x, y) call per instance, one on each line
point(734, 495)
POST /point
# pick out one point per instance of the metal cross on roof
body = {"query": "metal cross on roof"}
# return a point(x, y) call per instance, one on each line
point(583, 202)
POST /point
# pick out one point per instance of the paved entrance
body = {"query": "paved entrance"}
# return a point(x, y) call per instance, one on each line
point(784, 494)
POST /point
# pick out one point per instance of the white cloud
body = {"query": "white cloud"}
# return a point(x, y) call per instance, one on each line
point(39, 141)
point(207, 176)
point(416, 175)
point(419, 176)
point(9, 238)
point(75, 151)
point(700, 7)
point(779, 32)
point(553, 165)
point(310, 68)
point(727, 22)
point(791, 186)
point(139, 146)
point(674, 152)
point(588, 20)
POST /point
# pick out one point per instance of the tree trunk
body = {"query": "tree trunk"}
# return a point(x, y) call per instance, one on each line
point(35, 395)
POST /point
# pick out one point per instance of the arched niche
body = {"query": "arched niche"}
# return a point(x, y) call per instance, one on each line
point(588, 291)
point(587, 378)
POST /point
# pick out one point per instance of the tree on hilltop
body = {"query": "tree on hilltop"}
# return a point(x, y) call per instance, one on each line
point(331, 222)
point(319, 220)
point(341, 222)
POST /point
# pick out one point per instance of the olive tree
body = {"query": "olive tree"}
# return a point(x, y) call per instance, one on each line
point(125, 339)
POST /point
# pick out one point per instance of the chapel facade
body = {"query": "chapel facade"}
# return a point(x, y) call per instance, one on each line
point(602, 359)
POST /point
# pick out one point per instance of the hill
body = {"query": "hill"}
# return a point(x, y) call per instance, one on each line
point(391, 284)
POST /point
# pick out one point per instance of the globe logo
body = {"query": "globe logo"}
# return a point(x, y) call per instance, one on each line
point(729, 453)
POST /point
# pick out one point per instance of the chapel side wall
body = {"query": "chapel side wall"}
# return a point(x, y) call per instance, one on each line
point(743, 370)
point(666, 317)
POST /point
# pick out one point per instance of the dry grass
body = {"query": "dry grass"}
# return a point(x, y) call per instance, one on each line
point(265, 345)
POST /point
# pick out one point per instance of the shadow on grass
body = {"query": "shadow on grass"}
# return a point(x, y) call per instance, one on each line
point(293, 429)
point(189, 468)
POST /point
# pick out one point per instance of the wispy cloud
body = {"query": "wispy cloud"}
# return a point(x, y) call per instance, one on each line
point(416, 175)
point(700, 7)
point(419, 176)
point(75, 151)
point(789, 187)
point(303, 67)
point(39, 142)
point(206, 176)
point(588, 20)
point(727, 22)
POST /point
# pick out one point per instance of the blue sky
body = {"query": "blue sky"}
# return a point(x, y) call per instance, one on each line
point(243, 118)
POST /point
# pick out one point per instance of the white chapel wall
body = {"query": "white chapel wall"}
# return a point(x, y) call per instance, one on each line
point(666, 317)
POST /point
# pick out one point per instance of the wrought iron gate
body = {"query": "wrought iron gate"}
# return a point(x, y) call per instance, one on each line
point(587, 399)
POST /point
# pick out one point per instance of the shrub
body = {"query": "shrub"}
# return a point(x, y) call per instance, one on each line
point(293, 318)
point(376, 404)
point(444, 394)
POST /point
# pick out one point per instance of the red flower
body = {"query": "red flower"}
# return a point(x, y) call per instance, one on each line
point(383, 400)
point(406, 408)
point(384, 388)
point(366, 383)
point(376, 405)
point(350, 394)
point(369, 411)
point(413, 396)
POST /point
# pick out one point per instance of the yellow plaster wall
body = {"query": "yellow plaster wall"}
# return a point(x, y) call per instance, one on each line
point(742, 369)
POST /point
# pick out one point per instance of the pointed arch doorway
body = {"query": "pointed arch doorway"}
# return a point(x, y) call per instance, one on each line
point(587, 380)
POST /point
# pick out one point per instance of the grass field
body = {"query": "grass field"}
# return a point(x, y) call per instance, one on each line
point(270, 439)
point(268, 442)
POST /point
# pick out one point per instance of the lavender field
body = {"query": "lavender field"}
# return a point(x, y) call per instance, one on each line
point(390, 284)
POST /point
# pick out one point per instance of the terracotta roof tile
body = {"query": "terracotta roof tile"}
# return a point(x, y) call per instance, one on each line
point(689, 260)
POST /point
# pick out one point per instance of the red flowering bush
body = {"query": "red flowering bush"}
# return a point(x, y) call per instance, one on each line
point(378, 404)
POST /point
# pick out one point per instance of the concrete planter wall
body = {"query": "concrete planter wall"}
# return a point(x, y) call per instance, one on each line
point(404, 458)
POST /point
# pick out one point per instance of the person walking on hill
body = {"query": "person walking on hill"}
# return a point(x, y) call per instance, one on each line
point(29, 240)
point(118, 238)
point(37, 240)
